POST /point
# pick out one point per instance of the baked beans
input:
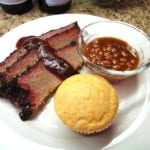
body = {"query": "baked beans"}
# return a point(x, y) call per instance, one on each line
point(112, 53)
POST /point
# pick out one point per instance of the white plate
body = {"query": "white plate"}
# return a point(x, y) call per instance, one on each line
point(47, 131)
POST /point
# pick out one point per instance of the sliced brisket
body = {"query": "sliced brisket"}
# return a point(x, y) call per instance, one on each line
point(11, 59)
point(41, 81)
point(16, 70)
point(47, 35)
point(71, 55)
point(65, 38)
point(71, 31)
point(11, 66)
point(30, 59)
point(31, 75)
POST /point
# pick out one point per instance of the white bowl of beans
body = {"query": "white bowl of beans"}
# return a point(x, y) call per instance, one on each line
point(114, 49)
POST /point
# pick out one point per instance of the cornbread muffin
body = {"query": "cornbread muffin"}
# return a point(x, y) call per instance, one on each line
point(86, 103)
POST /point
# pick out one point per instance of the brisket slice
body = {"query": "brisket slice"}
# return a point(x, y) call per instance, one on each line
point(69, 30)
point(30, 59)
point(40, 82)
point(11, 59)
point(56, 38)
point(71, 55)
point(51, 33)
point(16, 70)
point(65, 38)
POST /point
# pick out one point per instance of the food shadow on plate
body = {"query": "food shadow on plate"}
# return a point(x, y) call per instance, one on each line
point(97, 140)
point(131, 101)
point(130, 93)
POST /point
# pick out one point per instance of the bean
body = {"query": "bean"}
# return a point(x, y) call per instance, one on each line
point(116, 67)
point(133, 61)
point(106, 63)
point(129, 65)
point(107, 54)
point(104, 49)
point(114, 50)
point(97, 50)
point(108, 49)
point(92, 50)
point(95, 45)
point(109, 57)
point(114, 61)
point(116, 55)
point(98, 57)
point(88, 49)
point(121, 64)
point(100, 53)
point(92, 55)
point(99, 62)
point(124, 53)
point(123, 59)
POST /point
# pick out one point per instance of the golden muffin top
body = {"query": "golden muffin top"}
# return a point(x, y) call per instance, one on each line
point(86, 103)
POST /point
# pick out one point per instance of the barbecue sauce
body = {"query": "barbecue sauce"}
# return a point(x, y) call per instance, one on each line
point(22, 42)
point(53, 63)
point(16, 6)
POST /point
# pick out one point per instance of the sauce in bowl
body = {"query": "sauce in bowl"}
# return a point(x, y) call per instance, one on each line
point(112, 53)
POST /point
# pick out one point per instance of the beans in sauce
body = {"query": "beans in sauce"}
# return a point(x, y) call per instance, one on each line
point(112, 53)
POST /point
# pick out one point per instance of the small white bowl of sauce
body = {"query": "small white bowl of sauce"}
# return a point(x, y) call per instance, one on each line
point(114, 49)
